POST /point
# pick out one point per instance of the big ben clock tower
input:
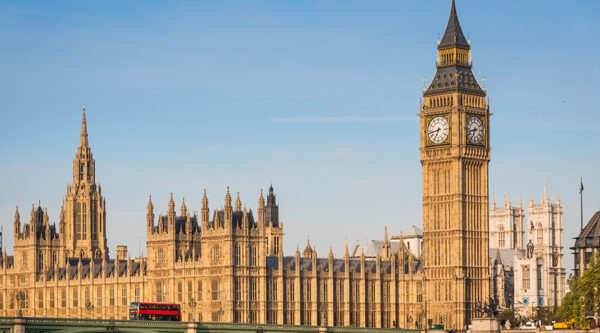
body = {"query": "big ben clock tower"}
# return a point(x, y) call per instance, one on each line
point(455, 153)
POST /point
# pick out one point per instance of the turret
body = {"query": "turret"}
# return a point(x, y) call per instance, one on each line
point(245, 219)
point(183, 209)
point(238, 203)
point(385, 247)
point(228, 210)
point(171, 215)
point(261, 208)
point(150, 214)
point(17, 222)
point(272, 209)
point(204, 212)
point(46, 219)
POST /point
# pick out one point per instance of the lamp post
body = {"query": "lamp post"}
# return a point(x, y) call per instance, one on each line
point(90, 307)
point(192, 305)
point(20, 297)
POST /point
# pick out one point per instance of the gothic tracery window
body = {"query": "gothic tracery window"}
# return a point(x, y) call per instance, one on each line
point(161, 257)
point(501, 241)
point(253, 255)
point(540, 235)
point(238, 254)
point(216, 253)
point(526, 281)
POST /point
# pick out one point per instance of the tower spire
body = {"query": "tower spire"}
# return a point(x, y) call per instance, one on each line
point(83, 139)
point(453, 36)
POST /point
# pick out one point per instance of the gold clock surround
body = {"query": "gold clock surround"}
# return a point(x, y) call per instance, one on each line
point(448, 140)
point(483, 120)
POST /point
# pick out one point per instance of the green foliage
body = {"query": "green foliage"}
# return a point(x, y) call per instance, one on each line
point(546, 314)
point(584, 298)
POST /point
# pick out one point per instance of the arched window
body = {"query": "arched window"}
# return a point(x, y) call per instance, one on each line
point(238, 254)
point(501, 240)
point(540, 235)
point(253, 255)
point(216, 253)
point(40, 261)
point(81, 171)
point(161, 257)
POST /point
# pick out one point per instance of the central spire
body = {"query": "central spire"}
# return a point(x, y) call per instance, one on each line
point(83, 140)
point(453, 36)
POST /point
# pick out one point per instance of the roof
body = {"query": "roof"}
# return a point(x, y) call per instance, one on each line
point(372, 248)
point(507, 256)
point(590, 235)
point(454, 78)
point(453, 36)
point(412, 232)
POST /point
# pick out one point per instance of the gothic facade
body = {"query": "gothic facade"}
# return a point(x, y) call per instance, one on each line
point(224, 266)
point(228, 265)
point(528, 269)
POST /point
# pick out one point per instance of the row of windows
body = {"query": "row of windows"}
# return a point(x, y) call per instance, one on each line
point(62, 302)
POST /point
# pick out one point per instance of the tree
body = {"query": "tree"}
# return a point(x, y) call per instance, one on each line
point(584, 298)
point(511, 315)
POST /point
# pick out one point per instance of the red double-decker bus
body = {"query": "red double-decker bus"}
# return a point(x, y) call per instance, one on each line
point(154, 311)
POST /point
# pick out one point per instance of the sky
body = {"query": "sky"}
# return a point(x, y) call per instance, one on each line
point(318, 98)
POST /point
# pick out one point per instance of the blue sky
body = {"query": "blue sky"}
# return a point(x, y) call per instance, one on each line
point(319, 98)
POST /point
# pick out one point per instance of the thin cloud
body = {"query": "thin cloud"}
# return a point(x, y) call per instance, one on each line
point(337, 119)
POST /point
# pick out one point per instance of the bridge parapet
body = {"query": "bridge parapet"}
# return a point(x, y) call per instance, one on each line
point(69, 325)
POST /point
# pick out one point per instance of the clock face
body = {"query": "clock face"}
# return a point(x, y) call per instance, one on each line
point(474, 129)
point(437, 131)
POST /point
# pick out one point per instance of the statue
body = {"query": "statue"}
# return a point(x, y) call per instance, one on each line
point(489, 308)
point(530, 249)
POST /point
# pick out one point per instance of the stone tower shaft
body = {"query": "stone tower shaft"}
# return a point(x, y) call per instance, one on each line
point(454, 124)
point(83, 216)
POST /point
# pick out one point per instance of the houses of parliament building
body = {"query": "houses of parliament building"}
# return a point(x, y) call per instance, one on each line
point(228, 265)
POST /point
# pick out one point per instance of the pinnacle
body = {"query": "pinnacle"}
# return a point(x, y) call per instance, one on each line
point(83, 140)
point(238, 203)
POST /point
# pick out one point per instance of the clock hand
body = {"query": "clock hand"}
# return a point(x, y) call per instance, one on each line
point(437, 130)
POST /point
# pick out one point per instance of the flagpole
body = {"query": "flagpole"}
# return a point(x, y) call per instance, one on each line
point(581, 201)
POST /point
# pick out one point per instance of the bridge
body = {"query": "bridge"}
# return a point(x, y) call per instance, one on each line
point(63, 325)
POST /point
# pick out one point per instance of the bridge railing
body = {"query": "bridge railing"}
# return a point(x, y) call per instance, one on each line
point(113, 325)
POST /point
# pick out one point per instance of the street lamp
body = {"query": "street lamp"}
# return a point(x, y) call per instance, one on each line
point(20, 297)
point(90, 307)
point(192, 305)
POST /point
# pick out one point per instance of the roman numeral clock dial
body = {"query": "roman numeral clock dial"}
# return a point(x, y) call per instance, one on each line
point(437, 131)
point(474, 129)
